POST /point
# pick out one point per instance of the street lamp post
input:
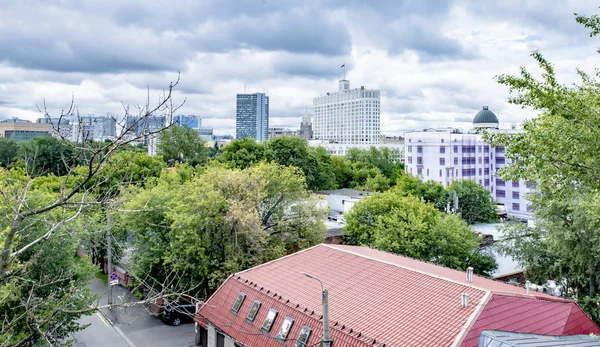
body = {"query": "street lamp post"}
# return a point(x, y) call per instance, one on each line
point(325, 297)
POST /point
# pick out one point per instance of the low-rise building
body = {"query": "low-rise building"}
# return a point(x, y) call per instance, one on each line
point(340, 201)
point(374, 299)
point(22, 130)
point(277, 132)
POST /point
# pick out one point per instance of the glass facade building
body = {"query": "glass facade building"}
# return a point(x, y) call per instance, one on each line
point(252, 116)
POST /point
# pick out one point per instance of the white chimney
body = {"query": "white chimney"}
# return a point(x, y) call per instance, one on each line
point(464, 299)
point(527, 285)
point(469, 274)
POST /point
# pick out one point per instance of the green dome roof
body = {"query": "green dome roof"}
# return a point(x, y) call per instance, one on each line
point(485, 116)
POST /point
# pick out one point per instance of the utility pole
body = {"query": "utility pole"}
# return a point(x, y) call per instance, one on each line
point(326, 337)
point(326, 340)
point(109, 253)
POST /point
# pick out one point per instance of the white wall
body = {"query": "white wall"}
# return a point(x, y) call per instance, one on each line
point(431, 144)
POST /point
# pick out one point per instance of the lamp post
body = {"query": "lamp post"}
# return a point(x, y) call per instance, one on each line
point(326, 339)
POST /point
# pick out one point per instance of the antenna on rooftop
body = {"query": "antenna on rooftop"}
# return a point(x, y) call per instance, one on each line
point(244, 89)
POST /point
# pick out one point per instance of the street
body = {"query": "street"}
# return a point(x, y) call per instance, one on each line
point(133, 326)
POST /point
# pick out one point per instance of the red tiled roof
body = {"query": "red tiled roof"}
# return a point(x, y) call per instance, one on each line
point(389, 299)
point(523, 315)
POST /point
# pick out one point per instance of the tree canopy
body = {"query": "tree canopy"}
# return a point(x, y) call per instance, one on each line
point(182, 144)
point(407, 226)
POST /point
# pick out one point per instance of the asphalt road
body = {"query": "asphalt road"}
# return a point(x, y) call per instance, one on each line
point(137, 326)
point(99, 333)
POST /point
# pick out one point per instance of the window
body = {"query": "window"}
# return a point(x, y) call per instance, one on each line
point(479, 160)
point(499, 182)
point(203, 340)
point(419, 149)
point(440, 172)
point(456, 161)
point(486, 182)
point(442, 161)
point(409, 149)
point(238, 302)
point(515, 206)
point(410, 160)
point(303, 337)
point(268, 323)
point(479, 171)
point(220, 340)
point(479, 149)
point(427, 172)
point(442, 149)
point(515, 184)
point(285, 328)
point(419, 160)
point(420, 171)
point(500, 160)
point(515, 195)
point(500, 194)
point(455, 149)
point(253, 311)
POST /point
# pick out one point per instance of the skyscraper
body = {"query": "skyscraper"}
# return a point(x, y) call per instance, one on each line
point(349, 116)
point(305, 131)
point(252, 116)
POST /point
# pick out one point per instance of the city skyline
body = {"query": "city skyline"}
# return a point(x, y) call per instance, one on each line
point(435, 65)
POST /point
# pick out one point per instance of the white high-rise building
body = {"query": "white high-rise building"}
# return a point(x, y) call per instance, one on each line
point(348, 116)
point(446, 155)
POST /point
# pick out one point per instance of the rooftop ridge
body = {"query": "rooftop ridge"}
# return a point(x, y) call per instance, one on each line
point(466, 284)
point(296, 306)
point(535, 295)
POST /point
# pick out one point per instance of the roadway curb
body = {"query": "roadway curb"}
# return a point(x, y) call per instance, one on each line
point(118, 330)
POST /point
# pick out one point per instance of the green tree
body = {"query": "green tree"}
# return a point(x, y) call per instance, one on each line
point(411, 227)
point(221, 221)
point(558, 150)
point(8, 151)
point(430, 191)
point(243, 153)
point(475, 203)
point(182, 144)
point(48, 155)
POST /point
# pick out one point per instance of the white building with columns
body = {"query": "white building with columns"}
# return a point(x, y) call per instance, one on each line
point(348, 116)
point(446, 155)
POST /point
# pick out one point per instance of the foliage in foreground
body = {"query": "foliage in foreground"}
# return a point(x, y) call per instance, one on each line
point(201, 226)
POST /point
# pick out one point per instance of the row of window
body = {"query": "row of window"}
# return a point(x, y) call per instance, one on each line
point(267, 324)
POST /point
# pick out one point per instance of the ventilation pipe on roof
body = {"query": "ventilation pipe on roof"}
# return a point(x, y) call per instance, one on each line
point(470, 274)
point(527, 285)
point(464, 299)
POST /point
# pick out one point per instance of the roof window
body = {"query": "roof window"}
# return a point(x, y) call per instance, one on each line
point(238, 302)
point(253, 311)
point(285, 328)
point(303, 336)
point(268, 323)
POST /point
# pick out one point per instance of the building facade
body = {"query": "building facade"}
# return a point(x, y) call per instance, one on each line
point(448, 155)
point(348, 116)
point(190, 121)
point(94, 128)
point(206, 134)
point(252, 116)
point(59, 127)
point(306, 131)
point(276, 132)
point(22, 130)
point(338, 149)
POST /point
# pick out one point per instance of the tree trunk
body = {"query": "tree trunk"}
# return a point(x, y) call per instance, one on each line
point(593, 280)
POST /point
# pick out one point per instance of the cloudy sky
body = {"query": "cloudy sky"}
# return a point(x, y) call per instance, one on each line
point(434, 61)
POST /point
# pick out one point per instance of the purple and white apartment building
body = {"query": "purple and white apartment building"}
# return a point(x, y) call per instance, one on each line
point(445, 155)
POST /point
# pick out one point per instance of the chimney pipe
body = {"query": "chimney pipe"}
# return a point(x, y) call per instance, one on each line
point(464, 299)
point(527, 284)
point(470, 274)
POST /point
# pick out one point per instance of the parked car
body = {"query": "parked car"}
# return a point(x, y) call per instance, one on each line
point(178, 313)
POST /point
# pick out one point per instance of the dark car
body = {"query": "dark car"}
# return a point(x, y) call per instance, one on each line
point(178, 313)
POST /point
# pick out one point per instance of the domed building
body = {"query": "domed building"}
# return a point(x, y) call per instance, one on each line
point(485, 119)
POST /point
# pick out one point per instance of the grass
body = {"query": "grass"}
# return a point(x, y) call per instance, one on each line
point(102, 276)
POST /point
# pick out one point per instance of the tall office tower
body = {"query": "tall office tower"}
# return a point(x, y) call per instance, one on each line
point(252, 116)
point(306, 131)
point(349, 116)
point(93, 128)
